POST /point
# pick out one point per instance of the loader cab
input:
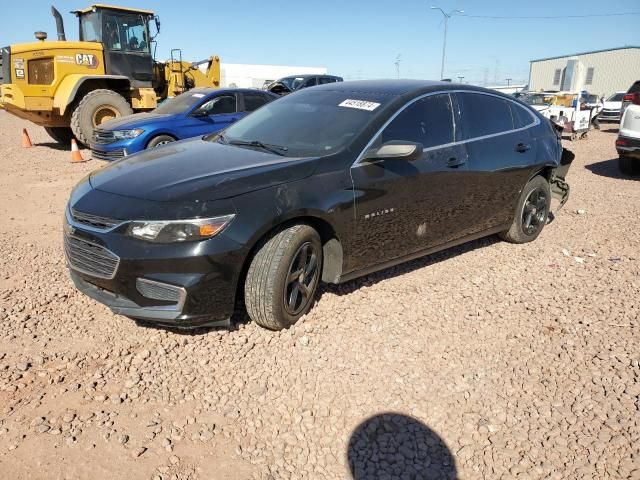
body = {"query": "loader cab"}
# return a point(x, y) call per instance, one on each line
point(124, 34)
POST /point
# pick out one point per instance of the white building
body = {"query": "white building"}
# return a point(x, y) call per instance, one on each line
point(600, 72)
point(253, 76)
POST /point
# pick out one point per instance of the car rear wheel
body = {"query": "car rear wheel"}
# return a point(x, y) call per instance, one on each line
point(160, 140)
point(629, 166)
point(62, 135)
point(532, 211)
point(283, 277)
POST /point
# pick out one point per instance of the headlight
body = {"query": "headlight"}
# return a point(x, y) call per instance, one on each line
point(126, 134)
point(169, 231)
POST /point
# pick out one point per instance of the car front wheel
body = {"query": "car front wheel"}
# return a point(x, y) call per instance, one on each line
point(532, 211)
point(283, 277)
point(160, 140)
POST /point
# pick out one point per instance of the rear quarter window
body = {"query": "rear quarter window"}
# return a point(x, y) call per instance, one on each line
point(635, 88)
point(483, 115)
point(521, 116)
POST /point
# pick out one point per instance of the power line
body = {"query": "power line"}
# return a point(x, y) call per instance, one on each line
point(550, 17)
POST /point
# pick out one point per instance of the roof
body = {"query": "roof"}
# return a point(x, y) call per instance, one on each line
point(585, 53)
point(389, 87)
point(113, 7)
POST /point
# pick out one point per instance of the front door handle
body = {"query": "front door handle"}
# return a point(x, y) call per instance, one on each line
point(522, 147)
point(454, 162)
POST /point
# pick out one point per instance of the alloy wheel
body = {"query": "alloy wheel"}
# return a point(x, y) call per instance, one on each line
point(534, 211)
point(302, 278)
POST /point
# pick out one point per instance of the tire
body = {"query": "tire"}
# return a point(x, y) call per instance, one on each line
point(96, 107)
point(267, 293)
point(62, 135)
point(160, 140)
point(629, 166)
point(532, 211)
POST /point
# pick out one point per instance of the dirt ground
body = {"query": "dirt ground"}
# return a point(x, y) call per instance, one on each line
point(488, 361)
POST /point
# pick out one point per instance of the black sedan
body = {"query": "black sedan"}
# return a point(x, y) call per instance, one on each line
point(326, 184)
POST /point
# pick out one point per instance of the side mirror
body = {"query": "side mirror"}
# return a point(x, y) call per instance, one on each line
point(199, 114)
point(396, 149)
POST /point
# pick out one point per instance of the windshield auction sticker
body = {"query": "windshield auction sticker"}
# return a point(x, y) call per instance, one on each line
point(360, 104)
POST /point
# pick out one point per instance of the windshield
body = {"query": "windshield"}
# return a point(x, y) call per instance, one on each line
point(181, 103)
point(291, 82)
point(538, 99)
point(616, 97)
point(307, 123)
point(90, 27)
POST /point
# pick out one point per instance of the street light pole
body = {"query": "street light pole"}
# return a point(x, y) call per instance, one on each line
point(447, 16)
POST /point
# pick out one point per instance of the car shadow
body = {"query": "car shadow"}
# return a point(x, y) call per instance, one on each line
point(407, 267)
point(609, 168)
point(609, 130)
point(240, 316)
point(393, 445)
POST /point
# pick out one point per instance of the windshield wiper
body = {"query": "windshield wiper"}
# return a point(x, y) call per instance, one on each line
point(277, 149)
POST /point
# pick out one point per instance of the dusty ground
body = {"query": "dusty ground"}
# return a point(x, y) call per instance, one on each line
point(489, 361)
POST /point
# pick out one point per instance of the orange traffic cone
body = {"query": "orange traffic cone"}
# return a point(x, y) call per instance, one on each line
point(76, 156)
point(26, 141)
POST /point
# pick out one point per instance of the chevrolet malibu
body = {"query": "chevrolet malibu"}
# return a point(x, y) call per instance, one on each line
point(324, 185)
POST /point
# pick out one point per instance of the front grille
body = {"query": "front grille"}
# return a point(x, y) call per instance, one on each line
point(159, 291)
point(90, 258)
point(95, 221)
point(103, 136)
point(102, 155)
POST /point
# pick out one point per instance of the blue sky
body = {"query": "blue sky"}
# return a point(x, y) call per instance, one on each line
point(361, 39)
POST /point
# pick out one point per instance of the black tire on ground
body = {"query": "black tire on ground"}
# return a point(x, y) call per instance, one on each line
point(62, 135)
point(531, 212)
point(283, 277)
point(160, 140)
point(629, 166)
point(96, 107)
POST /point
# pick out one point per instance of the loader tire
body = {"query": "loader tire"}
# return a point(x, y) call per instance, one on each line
point(62, 135)
point(96, 107)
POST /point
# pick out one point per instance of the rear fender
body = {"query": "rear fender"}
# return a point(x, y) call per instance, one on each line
point(559, 186)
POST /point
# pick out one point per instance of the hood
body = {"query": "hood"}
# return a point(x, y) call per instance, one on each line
point(137, 120)
point(612, 105)
point(198, 170)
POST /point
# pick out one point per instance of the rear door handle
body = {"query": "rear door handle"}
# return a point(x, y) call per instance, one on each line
point(522, 147)
point(454, 162)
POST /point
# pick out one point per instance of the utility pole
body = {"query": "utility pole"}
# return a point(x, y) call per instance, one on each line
point(397, 64)
point(508, 81)
point(447, 16)
point(460, 79)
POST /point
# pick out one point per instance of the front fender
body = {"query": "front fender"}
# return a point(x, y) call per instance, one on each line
point(69, 86)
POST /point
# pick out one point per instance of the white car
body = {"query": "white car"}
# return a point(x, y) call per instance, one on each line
point(612, 106)
point(628, 142)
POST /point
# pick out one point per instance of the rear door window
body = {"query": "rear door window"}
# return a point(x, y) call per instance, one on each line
point(483, 115)
point(253, 101)
point(428, 121)
point(324, 80)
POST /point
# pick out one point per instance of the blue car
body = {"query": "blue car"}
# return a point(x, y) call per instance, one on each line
point(194, 113)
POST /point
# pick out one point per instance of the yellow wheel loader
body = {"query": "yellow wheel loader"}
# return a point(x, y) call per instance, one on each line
point(71, 87)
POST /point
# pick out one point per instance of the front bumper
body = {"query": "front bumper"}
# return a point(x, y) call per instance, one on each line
point(116, 150)
point(609, 116)
point(205, 273)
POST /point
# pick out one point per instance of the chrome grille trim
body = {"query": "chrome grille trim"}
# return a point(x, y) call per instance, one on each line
point(103, 136)
point(161, 291)
point(95, 221)
point(110, 156)
point(90, 258)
